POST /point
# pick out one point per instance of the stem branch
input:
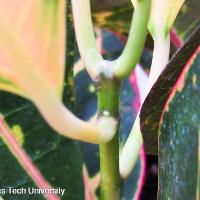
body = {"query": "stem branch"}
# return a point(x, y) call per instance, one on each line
point(135, 43)
point(94, 62)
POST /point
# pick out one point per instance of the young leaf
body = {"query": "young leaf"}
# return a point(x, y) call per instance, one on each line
point(49, 156)
point(36, 22)
point(39, 71)
point(154, 103)
point(163, 14)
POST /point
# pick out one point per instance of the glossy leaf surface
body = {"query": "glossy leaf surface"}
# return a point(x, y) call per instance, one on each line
point(155, 101)
point(179, 136)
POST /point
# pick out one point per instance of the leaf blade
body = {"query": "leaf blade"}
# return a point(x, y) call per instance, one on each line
point(179, 134)
point(154, 103)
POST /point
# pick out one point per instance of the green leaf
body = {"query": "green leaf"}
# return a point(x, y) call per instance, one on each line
point(115, 15)
point(50, 153)
point(179, 136)
point(106, 5)
point(69, 95)
point(188, 18)
point(155, 101)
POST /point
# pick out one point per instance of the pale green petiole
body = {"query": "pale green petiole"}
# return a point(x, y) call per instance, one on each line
point(85, 36)
point(163, 14)
point(135, 43)
point(131, 149)
point(160, 58)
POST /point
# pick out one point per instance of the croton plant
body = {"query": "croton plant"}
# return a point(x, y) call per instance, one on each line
point(148, 99)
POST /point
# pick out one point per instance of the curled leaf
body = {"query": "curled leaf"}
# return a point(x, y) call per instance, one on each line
point(32, 44)
point(163, 14)
point(32, 63)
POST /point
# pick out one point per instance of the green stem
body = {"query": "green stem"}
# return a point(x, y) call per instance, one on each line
point(108, 105)
point(94, 62)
